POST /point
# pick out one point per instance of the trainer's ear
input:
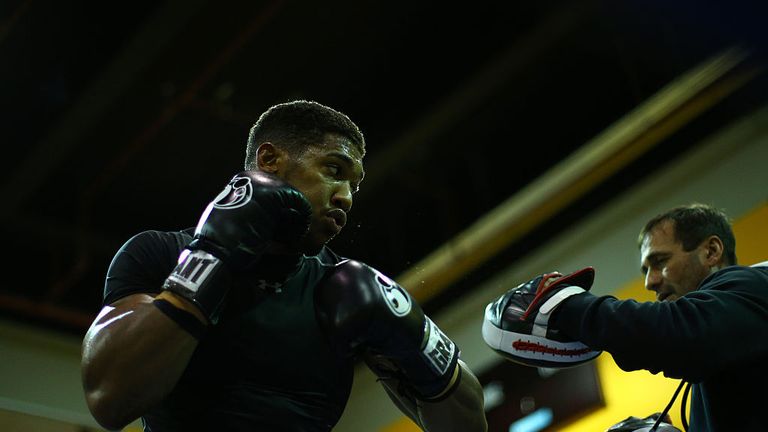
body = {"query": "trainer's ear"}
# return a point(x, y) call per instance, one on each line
point(270, 158)
point(713, 251)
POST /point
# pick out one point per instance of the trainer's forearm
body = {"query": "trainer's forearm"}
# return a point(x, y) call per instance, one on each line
point(133, 355)
point(461, 411)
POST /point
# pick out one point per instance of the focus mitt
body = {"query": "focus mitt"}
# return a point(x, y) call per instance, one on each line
point(516, 325)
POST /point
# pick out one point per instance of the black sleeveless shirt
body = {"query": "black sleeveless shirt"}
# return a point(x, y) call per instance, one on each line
point(266, 366)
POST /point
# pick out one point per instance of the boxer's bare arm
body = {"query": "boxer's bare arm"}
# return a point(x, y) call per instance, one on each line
point(133, 355)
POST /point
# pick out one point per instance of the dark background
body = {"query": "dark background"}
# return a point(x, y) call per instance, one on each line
point(122, 117)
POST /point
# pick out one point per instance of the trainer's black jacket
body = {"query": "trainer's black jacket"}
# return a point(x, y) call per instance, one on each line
point(265, 366)
point(715, 337)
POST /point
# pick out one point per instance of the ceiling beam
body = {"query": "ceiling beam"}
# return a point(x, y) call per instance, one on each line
point(621, 143)
point(415, 144)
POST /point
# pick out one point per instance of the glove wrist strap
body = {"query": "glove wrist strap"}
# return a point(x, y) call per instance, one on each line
point(184, 319)
point(541, 322)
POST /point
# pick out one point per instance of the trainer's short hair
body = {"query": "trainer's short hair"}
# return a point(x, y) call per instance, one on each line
point(693, 223)
point(298, 124)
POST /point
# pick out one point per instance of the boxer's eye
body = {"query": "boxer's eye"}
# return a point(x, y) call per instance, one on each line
point(333, 169)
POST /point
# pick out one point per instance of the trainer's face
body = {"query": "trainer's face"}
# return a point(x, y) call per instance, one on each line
point(670, 271)
point(328, 175)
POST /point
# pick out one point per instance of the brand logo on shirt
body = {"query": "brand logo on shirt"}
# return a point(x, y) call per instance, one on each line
point(270, 287)
point(398, 300)
point(236, 194)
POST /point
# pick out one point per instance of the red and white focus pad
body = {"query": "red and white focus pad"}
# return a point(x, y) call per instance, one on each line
point(516, 325)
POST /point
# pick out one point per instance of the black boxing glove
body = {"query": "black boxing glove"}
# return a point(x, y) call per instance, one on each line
point(364, 311)
point(635, 424)
point(516, 325)
point(253, 212)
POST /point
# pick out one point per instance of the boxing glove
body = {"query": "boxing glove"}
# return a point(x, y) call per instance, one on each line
point(364, 312)
point(516, 325)
point(652, 423)
point(254, 211)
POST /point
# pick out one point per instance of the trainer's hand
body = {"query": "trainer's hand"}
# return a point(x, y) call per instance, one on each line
point(254, 212)
point(516, 325)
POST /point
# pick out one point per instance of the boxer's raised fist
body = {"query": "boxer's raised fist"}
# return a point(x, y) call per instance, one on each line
point(253, 212)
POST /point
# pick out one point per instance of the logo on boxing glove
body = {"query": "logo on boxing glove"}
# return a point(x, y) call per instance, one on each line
point(398, 300)
point(439, 349)
point(236, 194)
point(193, 269)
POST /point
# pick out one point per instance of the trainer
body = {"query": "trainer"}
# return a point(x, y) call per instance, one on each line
point(708, 327)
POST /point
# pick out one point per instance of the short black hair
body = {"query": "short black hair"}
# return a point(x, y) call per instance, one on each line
point(297, 124)
point(693, 223)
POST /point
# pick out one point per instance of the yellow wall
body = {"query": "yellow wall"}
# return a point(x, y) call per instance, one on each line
point(640, 393)
point(402, 425)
